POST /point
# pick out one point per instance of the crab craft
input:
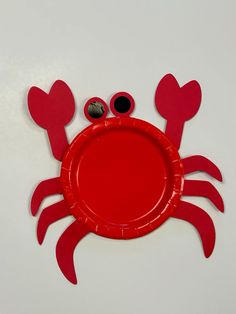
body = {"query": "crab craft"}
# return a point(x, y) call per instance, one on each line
point(121, 177)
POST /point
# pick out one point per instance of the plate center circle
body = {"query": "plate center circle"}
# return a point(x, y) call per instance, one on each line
point(121, 175)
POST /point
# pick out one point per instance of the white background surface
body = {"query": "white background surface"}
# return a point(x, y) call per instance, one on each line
point(98, 48)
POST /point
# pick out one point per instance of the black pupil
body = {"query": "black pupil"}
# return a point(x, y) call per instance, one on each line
point(96, 109)
point(122, 104)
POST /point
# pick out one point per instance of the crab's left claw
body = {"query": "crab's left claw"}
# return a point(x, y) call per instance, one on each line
point(52, 112)
point(177, 104)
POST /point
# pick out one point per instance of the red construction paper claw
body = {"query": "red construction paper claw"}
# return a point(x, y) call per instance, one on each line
point(200, 163)
point(65, 249)
point(52, 112)
point(204, 189)
point(201, 221)
point(50, 215)
point(45, 188)
point(177, 104)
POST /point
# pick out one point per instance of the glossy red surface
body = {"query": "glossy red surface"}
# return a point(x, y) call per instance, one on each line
point(122, 177)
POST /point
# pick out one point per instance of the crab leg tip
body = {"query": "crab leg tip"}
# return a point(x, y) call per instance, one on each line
point(74, 280)
point(208, 248)
point(208, 254)
point(40, 241)
point(40, 234)
point(33, 208)
point(218, 176)
point(221, 205)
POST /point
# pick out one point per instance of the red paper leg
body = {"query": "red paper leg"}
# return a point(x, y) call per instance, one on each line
point(53, 111)
point(200, 163)
point(45, 188)
point(201, 221)
point(50, 215)
point(204, 189)
point(177, 104)
point(65, 249)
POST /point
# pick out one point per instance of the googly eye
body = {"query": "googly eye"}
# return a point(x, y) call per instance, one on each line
point(95, 109)
point(122, 104)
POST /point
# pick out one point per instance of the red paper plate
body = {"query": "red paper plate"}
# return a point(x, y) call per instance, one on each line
point(122, 177)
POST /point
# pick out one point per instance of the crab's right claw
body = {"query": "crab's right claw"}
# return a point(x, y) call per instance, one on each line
point(177, 104)
point(52, 112)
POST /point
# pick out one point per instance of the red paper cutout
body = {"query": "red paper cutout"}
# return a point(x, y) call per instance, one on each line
point(204, 189)
point(52, 112)
point(45, 188)
point(177, 104)
point(119, 162)
point(50, 215)
point(66, 246)
point(201, 221)
point(200, 163)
